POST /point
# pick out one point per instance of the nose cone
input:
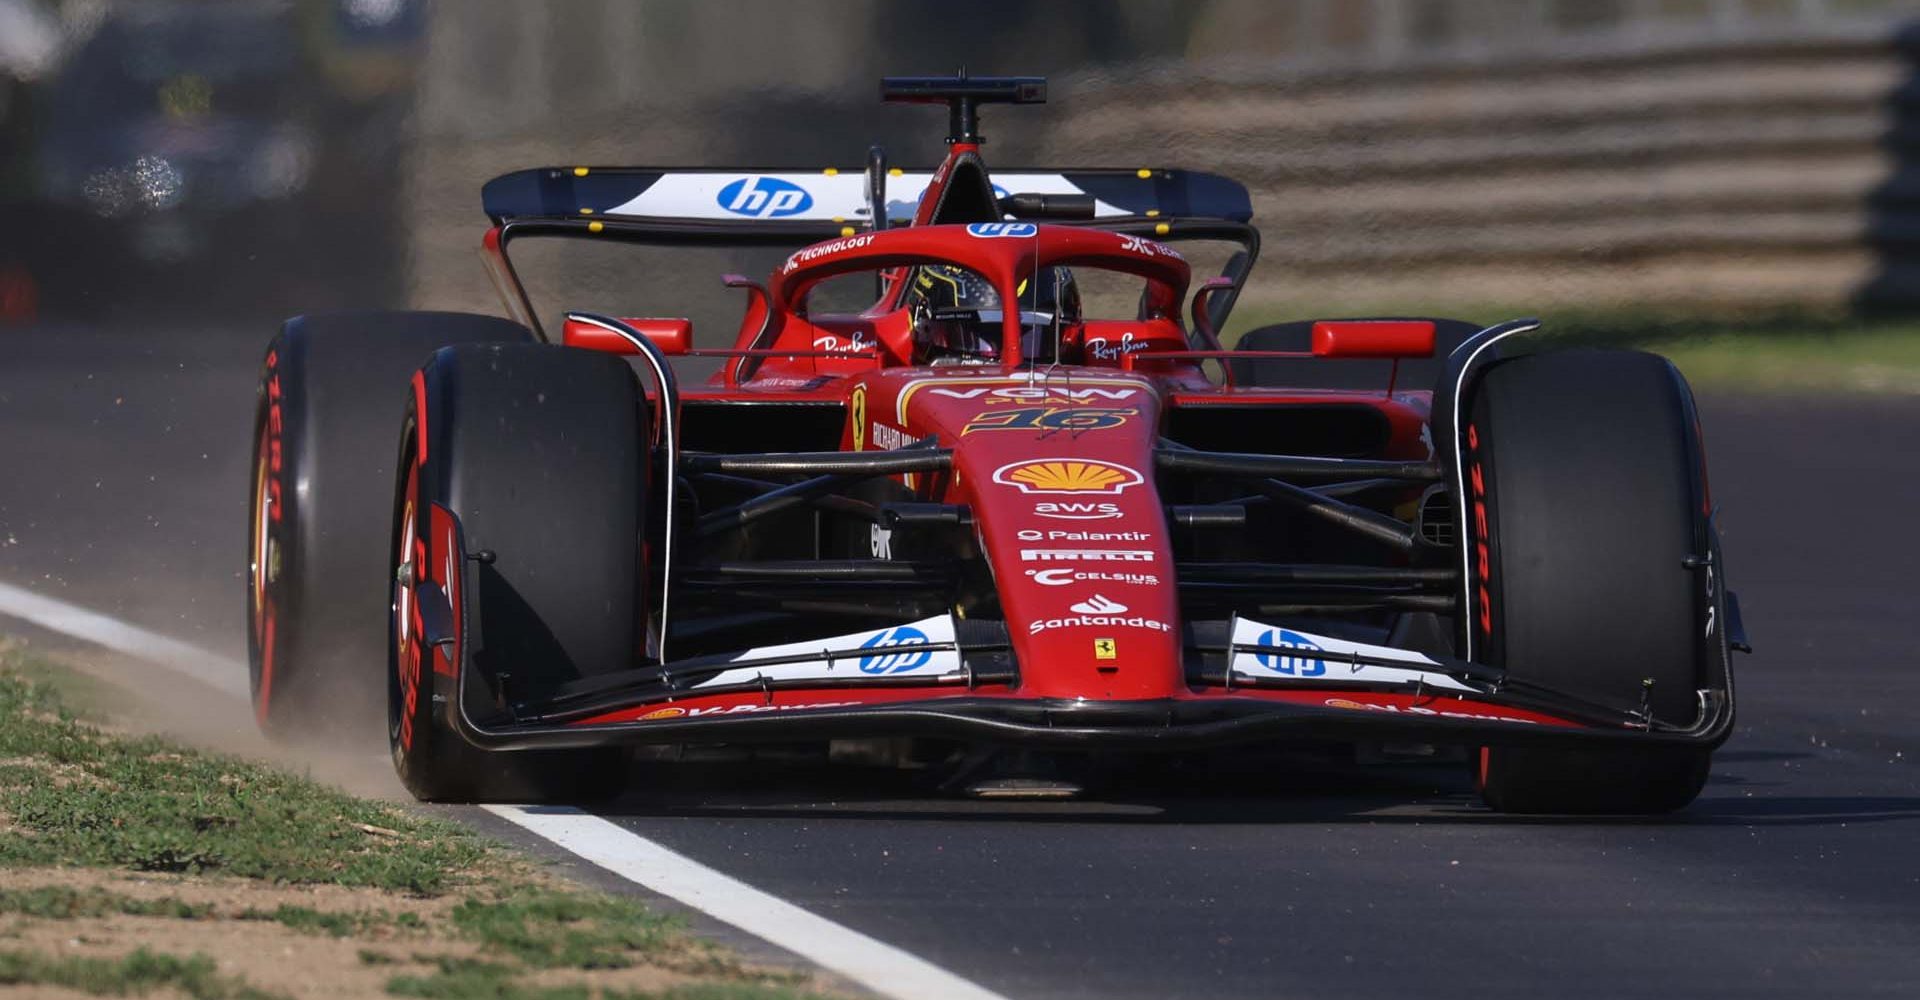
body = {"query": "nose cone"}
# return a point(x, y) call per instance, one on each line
point(1059, 474)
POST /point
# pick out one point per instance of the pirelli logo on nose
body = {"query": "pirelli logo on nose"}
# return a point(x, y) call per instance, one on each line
point(1086, 555)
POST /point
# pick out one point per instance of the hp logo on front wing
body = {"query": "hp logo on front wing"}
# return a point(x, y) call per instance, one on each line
point(895, 663)
point(1296, 666)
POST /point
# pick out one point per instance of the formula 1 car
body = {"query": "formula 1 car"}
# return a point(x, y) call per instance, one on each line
point(994, 509)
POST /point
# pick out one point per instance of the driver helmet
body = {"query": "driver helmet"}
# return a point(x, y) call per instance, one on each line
point(957, 314)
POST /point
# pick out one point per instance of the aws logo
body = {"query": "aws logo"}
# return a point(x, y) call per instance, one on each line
point(764, 198)
point(1070, 510)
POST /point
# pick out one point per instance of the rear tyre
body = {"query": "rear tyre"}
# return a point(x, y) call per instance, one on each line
point(541, 454)
point(1588, 466)
point(318, 511)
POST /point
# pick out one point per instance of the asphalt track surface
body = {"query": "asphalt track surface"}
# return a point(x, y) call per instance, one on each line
point(122, 483)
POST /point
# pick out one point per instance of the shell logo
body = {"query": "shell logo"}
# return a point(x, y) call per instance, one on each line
point(663, 713)
point(1067, 475)
point(1344, 703)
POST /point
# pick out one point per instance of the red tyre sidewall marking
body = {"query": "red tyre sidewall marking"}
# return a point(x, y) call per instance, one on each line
point(1483, 577)
point(414, 546)
point(1483, 555)
point(270, 481)
point(420, 416)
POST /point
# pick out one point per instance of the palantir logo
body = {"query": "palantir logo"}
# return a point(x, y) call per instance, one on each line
point(764, 198)
point(895, 663)
point(1003, 230)
point(1292, 666)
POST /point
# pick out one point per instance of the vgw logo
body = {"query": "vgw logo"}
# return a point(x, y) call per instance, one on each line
point(1292, 666)
point(764, 198)
point(895, 663)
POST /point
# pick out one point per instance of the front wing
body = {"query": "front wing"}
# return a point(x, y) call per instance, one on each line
point(1248, 682)
point(1161, 725)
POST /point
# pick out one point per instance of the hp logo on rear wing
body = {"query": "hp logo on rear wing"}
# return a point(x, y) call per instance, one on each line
point(764, 198)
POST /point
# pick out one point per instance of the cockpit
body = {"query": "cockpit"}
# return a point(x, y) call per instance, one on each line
point(958, 318)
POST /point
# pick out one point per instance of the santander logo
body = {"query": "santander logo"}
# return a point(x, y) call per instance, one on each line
point(1098, 604)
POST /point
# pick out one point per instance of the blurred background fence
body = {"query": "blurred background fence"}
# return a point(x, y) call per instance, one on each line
point(1723, 157)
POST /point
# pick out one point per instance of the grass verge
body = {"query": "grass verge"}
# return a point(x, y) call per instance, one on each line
point(1878, 360)
point(132, 865)
point(136, 974)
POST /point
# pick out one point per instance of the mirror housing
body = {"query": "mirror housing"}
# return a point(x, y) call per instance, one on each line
point(1203, 312)
point(671, 336)
point(1373, 338)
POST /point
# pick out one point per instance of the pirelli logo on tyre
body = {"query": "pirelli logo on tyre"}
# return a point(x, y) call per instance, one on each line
point(1478, 713)
point(1067, 475)
point(712, 711)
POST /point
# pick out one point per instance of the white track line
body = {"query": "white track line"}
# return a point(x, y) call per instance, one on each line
point(878, 966)
point(216, 671)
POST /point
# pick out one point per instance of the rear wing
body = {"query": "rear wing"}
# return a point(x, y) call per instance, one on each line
point(711, 194)
point(717, 206)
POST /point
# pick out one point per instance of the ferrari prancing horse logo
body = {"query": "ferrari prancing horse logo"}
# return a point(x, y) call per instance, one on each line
point(857, 412)
point(1106, 649)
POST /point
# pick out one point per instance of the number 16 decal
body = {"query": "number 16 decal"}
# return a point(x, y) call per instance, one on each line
point(1049, 418)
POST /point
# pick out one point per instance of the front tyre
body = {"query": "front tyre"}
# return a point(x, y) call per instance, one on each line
point(1587, 500)
point(540, 453)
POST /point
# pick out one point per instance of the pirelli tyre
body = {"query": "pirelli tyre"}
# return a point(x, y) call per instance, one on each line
point(318, 510)
point(1587, 468)
point(540, 454)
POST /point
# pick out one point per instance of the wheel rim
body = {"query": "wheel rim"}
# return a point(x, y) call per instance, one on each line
point(409, 557)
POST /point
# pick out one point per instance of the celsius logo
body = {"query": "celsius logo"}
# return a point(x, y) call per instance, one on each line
point(1098, 605)
point(1065, 577)
point(765, 198)
point(1292, 666)
point(896, 663)
point(1003, 230)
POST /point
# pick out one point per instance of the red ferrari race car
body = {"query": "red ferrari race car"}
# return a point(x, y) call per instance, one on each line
point(1017, 497)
